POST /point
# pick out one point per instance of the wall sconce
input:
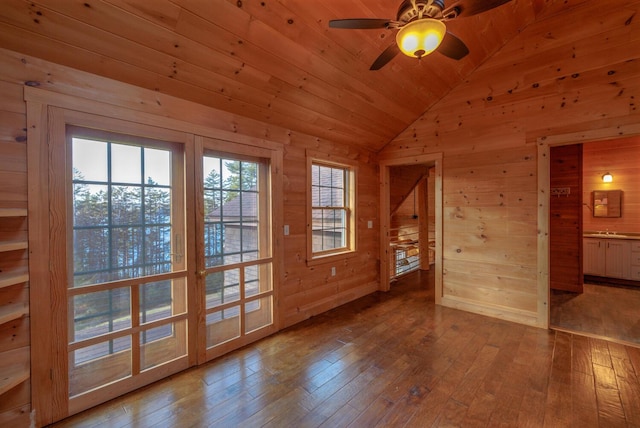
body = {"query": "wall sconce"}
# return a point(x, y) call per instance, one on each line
point(607, 178)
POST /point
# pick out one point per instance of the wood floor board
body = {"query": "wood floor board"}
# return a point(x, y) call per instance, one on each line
point(342, 418)
point(507, 412)
point(532, 409)
point(630, 398)
point(374, 391)
point(372, 414)
point(610, 410)
point(480, 410)
point(395, 359)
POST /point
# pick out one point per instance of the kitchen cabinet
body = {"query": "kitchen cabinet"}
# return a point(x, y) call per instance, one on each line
point(610, 258)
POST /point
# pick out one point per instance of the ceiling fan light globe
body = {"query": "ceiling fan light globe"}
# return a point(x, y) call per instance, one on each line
point(421, 37)
point(409, 43)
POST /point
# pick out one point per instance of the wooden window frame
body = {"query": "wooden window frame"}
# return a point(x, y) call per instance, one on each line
point(350, 167)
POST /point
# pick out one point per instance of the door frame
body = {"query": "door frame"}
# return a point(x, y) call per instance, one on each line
point(434, 159)
point(272, 179)
point(544, 144)
point(40, 104)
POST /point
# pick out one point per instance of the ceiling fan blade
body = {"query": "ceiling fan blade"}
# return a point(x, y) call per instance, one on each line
point(453, 47)
point(464, 8)
point(387, 55)
point(359, 23)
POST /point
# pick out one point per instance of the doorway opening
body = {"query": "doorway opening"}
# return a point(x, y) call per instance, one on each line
point(411, 233)
point(607, 305)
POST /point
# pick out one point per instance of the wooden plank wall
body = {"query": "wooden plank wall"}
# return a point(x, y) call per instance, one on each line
point(14, 335)
point(304, 291)
point(620, 157)
point(565, 214)
point(402, 180)
point(551, 79)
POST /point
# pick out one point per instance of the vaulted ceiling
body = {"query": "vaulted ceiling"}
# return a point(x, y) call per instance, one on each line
point(275, 61)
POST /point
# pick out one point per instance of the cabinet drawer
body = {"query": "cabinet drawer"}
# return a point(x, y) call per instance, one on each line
point(635, 246)
point(635, 259)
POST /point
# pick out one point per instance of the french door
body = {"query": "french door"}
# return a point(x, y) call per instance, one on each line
point(161, 255)
point(235, 257)
point(128, 318)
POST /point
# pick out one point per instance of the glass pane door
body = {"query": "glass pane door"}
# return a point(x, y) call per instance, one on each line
point(127, 285)
point(236, 259)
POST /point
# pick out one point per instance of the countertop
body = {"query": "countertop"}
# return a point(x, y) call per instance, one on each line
point(611, 235)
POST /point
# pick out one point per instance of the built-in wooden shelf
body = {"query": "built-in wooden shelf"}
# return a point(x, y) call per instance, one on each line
point(14, 364)
point(13, 212)
point(13, 245)
point(8, 279)
point(10, 381)
point(14, 368)
point(12, 312)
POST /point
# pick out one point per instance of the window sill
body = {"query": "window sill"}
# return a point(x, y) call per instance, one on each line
point(330, 258)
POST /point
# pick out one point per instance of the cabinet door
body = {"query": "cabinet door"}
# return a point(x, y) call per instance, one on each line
point(618, 257)
point(593, 251)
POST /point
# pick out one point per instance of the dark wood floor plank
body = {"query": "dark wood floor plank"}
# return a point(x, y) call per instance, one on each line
point(557, 405)
point(366, 396)
point(600, 352)
point(466, 390)
point(561, 360)
point(395, 360)
point(532, 410)
point(507, 413)
point(342, 418)
point(610, 410)
point(581, 357)
point(372, 414)
point(583, 392)
point(479, 412)
point(630, 398)
point(452, 414)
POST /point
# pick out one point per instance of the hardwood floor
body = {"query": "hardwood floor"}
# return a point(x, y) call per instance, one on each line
point(606, 311)
point(396, 359)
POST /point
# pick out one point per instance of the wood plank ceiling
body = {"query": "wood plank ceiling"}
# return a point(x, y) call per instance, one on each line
point(275, 61)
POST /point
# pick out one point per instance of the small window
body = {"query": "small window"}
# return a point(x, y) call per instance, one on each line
point(331, 221)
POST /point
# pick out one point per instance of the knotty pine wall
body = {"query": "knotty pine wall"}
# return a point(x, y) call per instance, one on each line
point(14, 334)
point(303, 291)
point(620, 157)
point(566, 77)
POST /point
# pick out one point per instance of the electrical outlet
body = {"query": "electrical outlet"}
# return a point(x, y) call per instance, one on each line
point(333, 271)
point(370, 224)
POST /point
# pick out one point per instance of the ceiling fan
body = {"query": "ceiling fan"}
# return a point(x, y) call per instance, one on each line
point(421, 28)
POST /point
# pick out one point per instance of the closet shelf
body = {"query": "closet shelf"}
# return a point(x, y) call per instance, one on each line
point(12, 312)
point(13, 245)
point(14, 368)
point(13, 212)
point(8, 279)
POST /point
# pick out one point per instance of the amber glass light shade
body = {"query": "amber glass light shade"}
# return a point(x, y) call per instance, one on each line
point(421, 37)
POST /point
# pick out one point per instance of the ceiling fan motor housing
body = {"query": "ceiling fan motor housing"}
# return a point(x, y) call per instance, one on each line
point(429, 8)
